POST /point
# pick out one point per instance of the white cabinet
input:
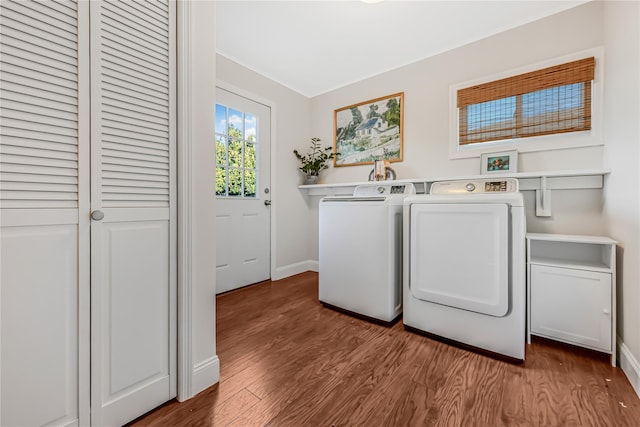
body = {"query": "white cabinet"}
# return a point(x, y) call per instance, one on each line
point(571, 290)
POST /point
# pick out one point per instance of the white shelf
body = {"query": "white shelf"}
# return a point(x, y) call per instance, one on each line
point(574, 238)
point(545, 180)
point(571, 251)
point(569, 263)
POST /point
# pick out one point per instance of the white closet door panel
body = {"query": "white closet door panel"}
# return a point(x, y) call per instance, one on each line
point(64, 7)
point(26, 160)
point(128, 138)
point(34, 106)
point(49, 11)
point(134, 131)
point(133, 96)
point(113, 69)
point(41, 186)
point(44, 98)
point(39, 297)
point(38, 170)
point(39, 83)
point(33, 43)
point(144, 123)
point(119, 84)
point(150, 8)
point(134, 149)
point(39, 105)
point(151, 31)
point(12, 21)
point(122, 177)
point(44, 240)
point(41, 130)
point(133, 110)
point(135, 292)
point(136, 173)
point(7, 178)
point(129, 152)
point(39, 152)
point(22, 46)
point(114, 37)
point(133, 247)
point(32, 16)
point(140, 67)
point(17, 68)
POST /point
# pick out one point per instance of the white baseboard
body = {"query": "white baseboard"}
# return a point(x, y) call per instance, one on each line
point(205, 374)
point(630, 366)
point(292, 269)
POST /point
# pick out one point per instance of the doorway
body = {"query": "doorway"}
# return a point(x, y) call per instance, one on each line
point(243, 217)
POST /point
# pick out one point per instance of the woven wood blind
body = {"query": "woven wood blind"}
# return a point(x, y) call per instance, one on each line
point(551, 100)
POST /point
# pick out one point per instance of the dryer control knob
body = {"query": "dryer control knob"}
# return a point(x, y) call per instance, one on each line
point(470, 187)
point(380, 190)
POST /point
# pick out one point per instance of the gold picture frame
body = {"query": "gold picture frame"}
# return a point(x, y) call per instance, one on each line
point(368, 131)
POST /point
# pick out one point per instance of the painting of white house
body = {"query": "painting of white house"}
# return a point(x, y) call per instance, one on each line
point(368, 131)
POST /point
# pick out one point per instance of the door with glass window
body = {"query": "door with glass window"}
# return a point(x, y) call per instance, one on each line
point(242, 190)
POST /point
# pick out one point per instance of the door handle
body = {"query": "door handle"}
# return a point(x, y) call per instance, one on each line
point(267, 202)
point(97, 215)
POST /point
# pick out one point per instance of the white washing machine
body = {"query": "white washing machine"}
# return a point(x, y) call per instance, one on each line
point(360, 251)
point(464, 265)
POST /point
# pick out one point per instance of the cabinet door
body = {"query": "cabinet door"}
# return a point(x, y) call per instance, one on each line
point(573, 306)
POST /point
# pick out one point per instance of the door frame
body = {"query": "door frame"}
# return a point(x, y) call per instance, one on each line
point(272, 163)
point(188, 56)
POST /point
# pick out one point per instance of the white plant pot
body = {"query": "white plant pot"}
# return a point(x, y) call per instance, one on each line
point(311, 179)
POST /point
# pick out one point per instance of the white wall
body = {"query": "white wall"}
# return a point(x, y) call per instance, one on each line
point(294, 227)
point(622, 190)
point(426, 87)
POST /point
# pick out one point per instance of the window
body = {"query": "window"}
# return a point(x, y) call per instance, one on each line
point(548, 101)
point(236, 153)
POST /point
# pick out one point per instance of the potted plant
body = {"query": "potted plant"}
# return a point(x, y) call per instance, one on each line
point(315, 161)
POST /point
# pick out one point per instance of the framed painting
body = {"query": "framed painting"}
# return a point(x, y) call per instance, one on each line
point(368, 131)
point(504, 162)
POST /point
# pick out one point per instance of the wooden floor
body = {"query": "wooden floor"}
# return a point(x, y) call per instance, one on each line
point(287, 361)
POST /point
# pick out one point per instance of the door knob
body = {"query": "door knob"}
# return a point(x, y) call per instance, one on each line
point(97, 215)
point(267, 202)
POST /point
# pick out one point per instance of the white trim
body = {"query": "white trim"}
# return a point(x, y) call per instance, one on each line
point(535, 143)
point(184, 168)
point(83, 211)
point(173, 210)
point(630, 366)
point(272, 163)
point(293, 269)
point(204, 374)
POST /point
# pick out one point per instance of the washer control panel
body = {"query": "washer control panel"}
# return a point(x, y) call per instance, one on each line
point(384, 189)
point(475, 186)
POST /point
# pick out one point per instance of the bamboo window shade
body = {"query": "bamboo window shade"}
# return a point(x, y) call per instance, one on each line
point(551, 100)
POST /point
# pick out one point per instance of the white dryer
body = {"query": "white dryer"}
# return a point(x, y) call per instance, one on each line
point(360, 251)
point(464, 263)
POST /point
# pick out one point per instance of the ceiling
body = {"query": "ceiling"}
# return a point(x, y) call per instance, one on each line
point(314, 47)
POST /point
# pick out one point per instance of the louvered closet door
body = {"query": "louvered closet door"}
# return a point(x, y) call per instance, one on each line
point(44, 202)
point(133, 269)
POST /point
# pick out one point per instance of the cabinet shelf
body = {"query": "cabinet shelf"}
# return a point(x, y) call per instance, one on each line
point(570, 263)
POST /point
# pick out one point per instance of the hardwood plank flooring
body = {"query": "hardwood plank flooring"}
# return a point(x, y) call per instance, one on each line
point(288, 361)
